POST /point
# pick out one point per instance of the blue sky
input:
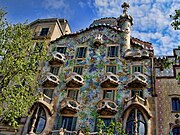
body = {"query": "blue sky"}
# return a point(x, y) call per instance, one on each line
point(151, 17)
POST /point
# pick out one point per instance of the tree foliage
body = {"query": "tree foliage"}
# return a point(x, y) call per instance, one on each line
point(18, 70)
point(176, 20)
point(111, 129)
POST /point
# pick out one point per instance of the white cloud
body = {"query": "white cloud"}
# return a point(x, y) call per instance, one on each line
point(55, 4)
point(151, 20)
point(58, 8)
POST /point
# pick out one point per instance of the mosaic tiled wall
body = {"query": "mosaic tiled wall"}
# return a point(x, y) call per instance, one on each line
point(94, 71)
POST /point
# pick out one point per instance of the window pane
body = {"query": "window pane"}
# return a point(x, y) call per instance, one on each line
point(40, 125)
point(141, 128)
point(73, 94)
point(113, 51)
point(39, 122)
point(61, 49)
point(48, 92)
point(136, 122)
point(78, 69)
point(109, 94)
point(175, 104)
point(67, 123)
point(176, 131)
point(130, 128)
point(54, 70)
point(137, 69)
point(81, 52)
point(44, 31)
point(111, 69)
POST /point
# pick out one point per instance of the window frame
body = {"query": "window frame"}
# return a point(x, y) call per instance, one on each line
point(46, 89)
point(176, 128)
point(136, 121)
point(40, 34)
point(77, 66)
point(76, 93)
point(111, 66)
point(135, 66)
point(54, 68)
point(114, 91)
point(107, 51)
point(177, 105)
point(85, 53)
point(64, 49)
point(73, 122)
point(35, 121)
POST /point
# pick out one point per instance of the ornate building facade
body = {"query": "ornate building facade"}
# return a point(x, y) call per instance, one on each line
point(103, 72)
point(98, 72)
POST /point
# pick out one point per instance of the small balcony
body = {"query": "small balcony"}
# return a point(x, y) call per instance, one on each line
point(57, 59)
point(74, 80)
point(137, 80)
point(137, 54)
point(69, 106)
point(137, 102)
point(111, 81)
point(49, 80)
point(107, 107)
point(47, 102)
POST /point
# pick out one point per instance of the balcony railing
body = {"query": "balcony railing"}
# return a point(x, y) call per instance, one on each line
point(37, 35)
point(57, 59)
point(111, 81)
point(74, 80)
point(136, 100)
point(69, 106)
point(137, 80)
point(107, 107)
point(49, 80)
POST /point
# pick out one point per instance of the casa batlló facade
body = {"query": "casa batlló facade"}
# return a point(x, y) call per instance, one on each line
point(101, 71)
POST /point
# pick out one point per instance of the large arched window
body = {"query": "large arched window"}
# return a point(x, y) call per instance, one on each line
point(136, 123)
point(38, 121)
point(176, 131)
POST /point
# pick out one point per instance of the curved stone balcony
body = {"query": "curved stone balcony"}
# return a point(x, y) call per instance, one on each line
point(136, 54)
point(137, 102)
point(49, 80)
point(57, 59)
point(111, 81)
point(69, 106)
point(47, 102)
point(74, 80)
point(107, 107)
point(137, 80)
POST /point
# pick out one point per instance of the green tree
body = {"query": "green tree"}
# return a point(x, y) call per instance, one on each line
point(111, 129)
point(18, 70)
point(176, 20)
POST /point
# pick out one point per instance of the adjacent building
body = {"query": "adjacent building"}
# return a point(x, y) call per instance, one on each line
point(44, 30)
